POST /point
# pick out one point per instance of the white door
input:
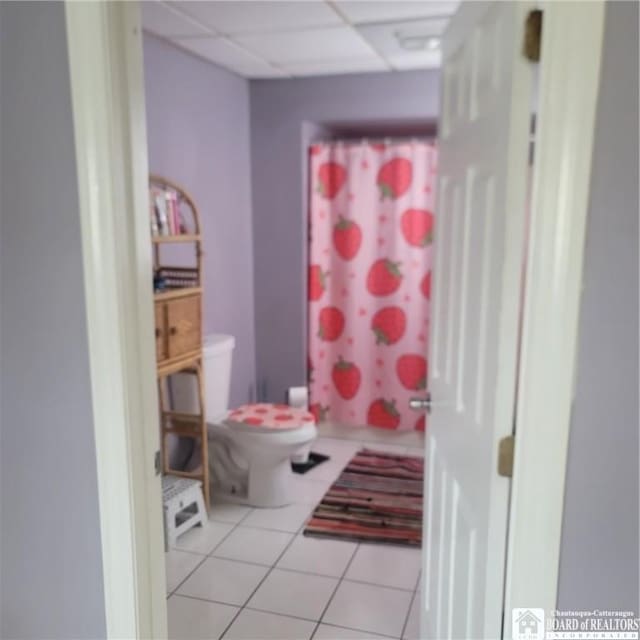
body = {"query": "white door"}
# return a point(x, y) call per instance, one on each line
point(484, 134)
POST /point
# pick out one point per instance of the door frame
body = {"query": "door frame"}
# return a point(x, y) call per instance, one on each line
point(107, 93)
point(107, 86)
point(569, 83)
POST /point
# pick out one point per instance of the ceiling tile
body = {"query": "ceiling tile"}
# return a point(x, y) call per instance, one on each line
point(165, 21)
point(360, 12)
point(333, 43)
point(257, 17)
point(230, 56)
point(332, 67)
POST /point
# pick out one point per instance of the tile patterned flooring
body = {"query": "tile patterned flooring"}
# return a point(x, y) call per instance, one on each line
point(251, 575)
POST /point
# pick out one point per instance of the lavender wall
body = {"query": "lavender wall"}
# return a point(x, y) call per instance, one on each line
point(599, 553)
point(50, 554)
point(285, 115)
point(198, 133)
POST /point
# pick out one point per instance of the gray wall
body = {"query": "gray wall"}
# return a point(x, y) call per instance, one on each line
point(599, 555)
point(50, 556)
point(198, 133)
point(279, 111)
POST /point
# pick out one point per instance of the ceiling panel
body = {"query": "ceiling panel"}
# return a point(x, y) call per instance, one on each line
point(334, 43)
point(360, 12)
point(165, 21)
point(330, 67)
point(265, 38)
point(259, 17)
point(228, 55)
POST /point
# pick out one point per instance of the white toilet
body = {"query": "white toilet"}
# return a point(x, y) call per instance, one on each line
point(250, 448)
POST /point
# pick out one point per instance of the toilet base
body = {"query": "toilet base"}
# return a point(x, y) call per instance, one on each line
point(252, 471)
point(267, 487)
point(302, 455)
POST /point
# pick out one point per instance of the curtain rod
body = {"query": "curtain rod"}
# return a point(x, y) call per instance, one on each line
point(385, 140)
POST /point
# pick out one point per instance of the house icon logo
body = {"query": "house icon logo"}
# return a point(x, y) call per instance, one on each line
point(527, 624)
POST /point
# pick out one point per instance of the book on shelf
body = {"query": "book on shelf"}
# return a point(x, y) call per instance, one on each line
point(172, 212)
point(166, 215)
point(161, 212)
point(155, 229)
point(182, 225)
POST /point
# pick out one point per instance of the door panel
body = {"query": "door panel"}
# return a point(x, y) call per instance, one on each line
point(183, 325)
point(479, 246)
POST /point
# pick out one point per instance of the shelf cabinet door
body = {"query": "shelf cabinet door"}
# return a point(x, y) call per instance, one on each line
point(161, 333)
point(183, 325)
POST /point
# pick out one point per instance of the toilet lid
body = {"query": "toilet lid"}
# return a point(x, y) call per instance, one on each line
point(276, 417)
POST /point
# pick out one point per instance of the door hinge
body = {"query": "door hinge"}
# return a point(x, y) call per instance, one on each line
point(156, 463)
point(505, 456)
point(532, 35)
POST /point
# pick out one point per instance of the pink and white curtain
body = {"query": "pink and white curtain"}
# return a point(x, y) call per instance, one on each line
point(371, 222)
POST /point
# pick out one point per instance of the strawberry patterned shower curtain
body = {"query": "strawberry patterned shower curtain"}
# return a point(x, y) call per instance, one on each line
point(371, 220)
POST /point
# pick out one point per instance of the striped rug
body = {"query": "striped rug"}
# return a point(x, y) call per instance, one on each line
point(377, 498)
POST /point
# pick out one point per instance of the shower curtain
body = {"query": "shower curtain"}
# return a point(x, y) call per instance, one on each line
point(371, 224)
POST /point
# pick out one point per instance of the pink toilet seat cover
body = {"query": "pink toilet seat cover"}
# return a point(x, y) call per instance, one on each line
point(270, 416)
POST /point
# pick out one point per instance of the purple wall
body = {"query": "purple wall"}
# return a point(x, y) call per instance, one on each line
point(284, 116)
point(198, 135)
point(599, 553)
point(51, 565)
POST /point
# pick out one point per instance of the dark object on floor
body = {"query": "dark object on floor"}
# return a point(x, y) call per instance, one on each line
point(377, 498)
point(314, 460)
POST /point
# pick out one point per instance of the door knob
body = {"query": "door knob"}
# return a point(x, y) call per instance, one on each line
point(421, 404)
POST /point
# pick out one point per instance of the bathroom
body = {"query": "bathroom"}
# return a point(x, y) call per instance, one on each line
point(82, 553)
point(238, 141)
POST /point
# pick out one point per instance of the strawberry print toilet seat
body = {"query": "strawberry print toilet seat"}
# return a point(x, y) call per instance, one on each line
point(263, 415)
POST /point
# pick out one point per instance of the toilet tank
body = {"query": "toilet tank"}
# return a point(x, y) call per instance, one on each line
point(217, 354)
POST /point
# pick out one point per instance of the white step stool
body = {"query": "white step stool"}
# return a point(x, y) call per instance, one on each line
point(183, 507)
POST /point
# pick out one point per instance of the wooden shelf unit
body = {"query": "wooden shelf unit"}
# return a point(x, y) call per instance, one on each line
point(178, 331)
point(183, 237)
point(171, 294)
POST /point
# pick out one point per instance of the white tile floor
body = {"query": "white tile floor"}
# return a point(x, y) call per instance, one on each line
point(251, 575)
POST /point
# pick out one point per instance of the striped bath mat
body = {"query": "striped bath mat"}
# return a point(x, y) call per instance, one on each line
point(377, 498)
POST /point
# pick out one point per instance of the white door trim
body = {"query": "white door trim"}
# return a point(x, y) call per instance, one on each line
point(105, 56)
point(568, 92)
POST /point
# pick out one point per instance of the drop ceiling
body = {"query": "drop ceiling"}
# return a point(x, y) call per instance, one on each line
point(266, 39)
